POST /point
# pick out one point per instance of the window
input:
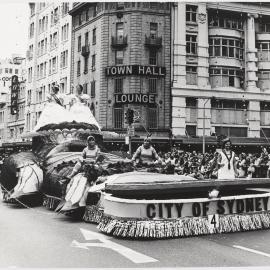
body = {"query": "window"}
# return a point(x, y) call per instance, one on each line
point(85, 88)
point(191, 75)
point(93, 89)
point(119, 32)
point(152, 117)
point(191, 130)
point(153, 85)
point(86, 39)
point(65, 9)
point(153, 57)
point(153, 30)
point(191, 12)
point(79, 43)
point(31, 30)
point(118, 117)
point(225, 77)
point(119, 57)
point(263, 50)
point(86, 59)
point(93, 62)
point(264, 79)
point(94, 36)
point(64, 59)
point(10, 70)
point(231, 131)
point(65, 30)
point(225, 21)
point(118, 85)
point(191, 102)
point(79, 68)
point(6, 70)
point(264, 27)
point(16, 71)
point(191, 44)
point(233, 48)
point(54, 65)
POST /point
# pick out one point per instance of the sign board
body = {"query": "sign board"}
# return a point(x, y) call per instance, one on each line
point(15, 87)
point(131, 130)
point(135, 98)
point(153, 71)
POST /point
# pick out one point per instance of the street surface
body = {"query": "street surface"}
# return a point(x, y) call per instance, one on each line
point(41, 238)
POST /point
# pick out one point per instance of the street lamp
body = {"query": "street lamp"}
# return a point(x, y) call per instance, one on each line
point(204, 124)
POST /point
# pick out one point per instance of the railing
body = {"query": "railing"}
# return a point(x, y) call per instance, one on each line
point(153, 42)
point(119, 41)
point(85, 50)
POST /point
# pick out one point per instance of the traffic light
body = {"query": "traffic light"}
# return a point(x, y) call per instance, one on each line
point(129, 116)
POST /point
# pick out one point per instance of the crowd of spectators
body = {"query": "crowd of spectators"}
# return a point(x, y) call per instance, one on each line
point(201, 166)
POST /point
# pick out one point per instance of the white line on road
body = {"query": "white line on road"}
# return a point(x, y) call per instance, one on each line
point(129, 253)
point(253, 251)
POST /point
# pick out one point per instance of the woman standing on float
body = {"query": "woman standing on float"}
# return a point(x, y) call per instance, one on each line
point(79, 110)
point(227, 162)
point(54, 111)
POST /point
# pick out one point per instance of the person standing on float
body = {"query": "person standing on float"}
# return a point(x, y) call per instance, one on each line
point(54, 111)
point(227, 162)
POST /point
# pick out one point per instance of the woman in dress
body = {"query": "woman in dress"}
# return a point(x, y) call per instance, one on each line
point(79, 110)
point(227, 162)
point(54, 111)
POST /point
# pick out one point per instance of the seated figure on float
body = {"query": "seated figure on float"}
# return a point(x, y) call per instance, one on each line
point(89, 154)
point(146, 153)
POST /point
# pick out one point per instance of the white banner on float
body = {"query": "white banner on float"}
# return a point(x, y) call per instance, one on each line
point(163, 209)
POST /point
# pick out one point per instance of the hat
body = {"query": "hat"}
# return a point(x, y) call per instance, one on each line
point(224, 141)
point(90, 138)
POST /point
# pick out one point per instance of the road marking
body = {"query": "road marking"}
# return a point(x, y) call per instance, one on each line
point(105, 242)
point(253, 251)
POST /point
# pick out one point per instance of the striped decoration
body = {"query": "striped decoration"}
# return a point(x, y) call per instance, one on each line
point(93, 214)
point(182, 227)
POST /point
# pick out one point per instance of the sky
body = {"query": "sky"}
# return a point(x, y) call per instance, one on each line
point(14, 17)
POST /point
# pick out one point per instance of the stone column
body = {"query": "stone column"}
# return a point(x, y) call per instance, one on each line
point(179, 45)
point(253, 118)
point(203, 63)
point(251, 59)
point(179, 116)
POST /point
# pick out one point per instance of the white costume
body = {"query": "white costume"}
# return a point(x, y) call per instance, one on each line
point(80, 111)
point(226, 171)
point(53, 113)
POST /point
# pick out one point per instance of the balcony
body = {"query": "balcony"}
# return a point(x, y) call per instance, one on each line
point(119, 42)
point(85, 50)
point(154, 42)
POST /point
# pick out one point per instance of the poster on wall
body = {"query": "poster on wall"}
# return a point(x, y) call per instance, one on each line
point(15, 86)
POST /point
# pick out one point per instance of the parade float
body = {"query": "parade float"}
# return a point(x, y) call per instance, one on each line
point(124, 200)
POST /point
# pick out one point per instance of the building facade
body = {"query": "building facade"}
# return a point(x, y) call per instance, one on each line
point(48, 55)
point(12, 123)
point(221, 69)
point(121, 57)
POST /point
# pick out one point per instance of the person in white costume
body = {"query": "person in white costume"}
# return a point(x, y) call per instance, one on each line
point(54, 111)
point(227, 162)
point(79, 110)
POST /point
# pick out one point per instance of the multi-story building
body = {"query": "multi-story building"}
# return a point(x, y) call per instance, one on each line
point(121, 57)
point(221, 70)
point(48, 55)
point(11, 125)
